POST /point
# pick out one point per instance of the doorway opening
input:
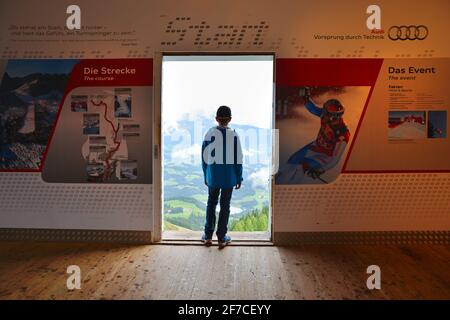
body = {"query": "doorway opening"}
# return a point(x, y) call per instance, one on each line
point(192, 88)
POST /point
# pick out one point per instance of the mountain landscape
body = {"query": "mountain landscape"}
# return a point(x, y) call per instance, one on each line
point(185, 193)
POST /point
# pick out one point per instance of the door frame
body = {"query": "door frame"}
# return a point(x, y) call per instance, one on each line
point(157, 192)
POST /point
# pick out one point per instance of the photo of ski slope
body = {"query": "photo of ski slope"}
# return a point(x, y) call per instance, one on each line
point(407, 125)
point(122, 103)
point(30, 94)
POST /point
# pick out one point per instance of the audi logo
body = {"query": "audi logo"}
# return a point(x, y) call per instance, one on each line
point(408, 32)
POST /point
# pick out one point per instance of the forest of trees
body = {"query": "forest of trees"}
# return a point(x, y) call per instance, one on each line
point(256, 220)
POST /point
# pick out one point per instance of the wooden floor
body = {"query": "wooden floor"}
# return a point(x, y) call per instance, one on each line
point(235, 235)
point(38, 271)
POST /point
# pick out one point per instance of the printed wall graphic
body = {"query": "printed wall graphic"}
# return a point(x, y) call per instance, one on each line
point(316, 126)
point(406, 121)
point(79, 103)
point(91, 123)
point(320, 105)
point(97, 153)
point(437, 124)
point(130, 130)
point(95, 172)
point(128, 170)
point(155, 28)
point(30, 95)
point(96, 128)
point(122, 103)
point(104, 133)
point(407, 125)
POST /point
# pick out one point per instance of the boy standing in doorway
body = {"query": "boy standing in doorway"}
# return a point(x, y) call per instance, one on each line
point(222, 170)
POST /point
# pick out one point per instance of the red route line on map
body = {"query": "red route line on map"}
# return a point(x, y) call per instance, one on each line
point(112, 151)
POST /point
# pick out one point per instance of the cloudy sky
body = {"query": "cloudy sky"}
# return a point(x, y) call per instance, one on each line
point(194, 88)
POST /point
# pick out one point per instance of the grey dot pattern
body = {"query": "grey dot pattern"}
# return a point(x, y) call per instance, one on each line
point(25, 194)
point(363, 238)
point(372, 200)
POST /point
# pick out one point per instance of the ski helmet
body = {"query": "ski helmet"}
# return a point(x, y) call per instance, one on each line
point(333, 108)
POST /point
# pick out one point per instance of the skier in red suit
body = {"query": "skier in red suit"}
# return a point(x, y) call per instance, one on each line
point(325, 152)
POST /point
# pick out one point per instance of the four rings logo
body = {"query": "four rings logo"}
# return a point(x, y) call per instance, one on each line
point(408, 32)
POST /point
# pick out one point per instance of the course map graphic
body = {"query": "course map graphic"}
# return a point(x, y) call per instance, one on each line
point(105, 149)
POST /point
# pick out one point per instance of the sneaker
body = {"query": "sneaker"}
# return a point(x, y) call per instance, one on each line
point(226, 240)
point(206, 241)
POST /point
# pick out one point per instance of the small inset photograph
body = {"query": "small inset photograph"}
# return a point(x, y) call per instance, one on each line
point(407, 125)
point(128, 170)
point(91, 123)
point(437, 124)
point(97, 153)
point(95, 172)
point(97, 140)
point(130, 130)
point(79, 103)
point(122, 103)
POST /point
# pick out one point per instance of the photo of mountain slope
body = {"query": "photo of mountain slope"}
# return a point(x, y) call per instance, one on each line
point(30, 95)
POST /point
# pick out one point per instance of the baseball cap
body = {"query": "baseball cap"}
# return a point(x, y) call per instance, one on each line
point(223, 112)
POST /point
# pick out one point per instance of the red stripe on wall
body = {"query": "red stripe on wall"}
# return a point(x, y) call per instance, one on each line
point(327, 72)
point(82, 75)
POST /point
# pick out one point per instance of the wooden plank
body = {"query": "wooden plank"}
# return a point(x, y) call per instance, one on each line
point(235, 235)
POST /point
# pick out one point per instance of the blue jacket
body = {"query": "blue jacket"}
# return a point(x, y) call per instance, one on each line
point(222, 163)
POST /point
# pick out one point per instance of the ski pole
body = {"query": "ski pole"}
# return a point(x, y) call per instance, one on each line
point(322, 180)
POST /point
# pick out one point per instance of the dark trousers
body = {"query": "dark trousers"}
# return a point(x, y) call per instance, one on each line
point(224, 214)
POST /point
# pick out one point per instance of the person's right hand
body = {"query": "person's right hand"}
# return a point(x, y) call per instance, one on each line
point(238, 186)
point(305, 93)
point(206, 183)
